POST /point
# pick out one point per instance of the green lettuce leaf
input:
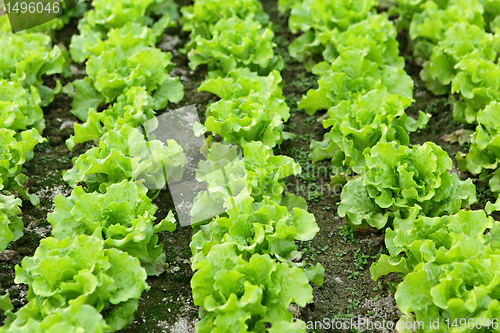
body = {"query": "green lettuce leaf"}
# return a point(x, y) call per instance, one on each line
point(477, 82)
point(86, 97)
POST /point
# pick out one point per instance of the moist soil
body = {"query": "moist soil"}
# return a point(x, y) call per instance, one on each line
point(348, 292)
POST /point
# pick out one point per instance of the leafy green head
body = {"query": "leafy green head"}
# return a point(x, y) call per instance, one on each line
point(236, 43)
point(399, 181)
point(361, 123)
point(81, 269)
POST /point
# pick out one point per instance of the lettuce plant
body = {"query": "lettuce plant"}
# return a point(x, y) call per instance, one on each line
point(11, 224)
point(483, 157)
point(327, 15)
point(453, 264)
point(124, 215)
point(461, 41)
point(361, 123)
point(231, 180)
point(455, 294)
point(223, 173)
point(200, 17)
point(376, 35)
point(127, 154)
point(125, 60)
point(322, 20)
point(431, 23)
point(77, 317)
point(405, 9)
point(26, 57)
point(250, 108)
point(240, 294)
point(119, 69)
point(236, 43)
point(108, 14)
point(19, 107)
point(352, 75)
point(478, 84)
point(81, 269)
point(438, 13)
point(262, 227)
point(457, 50)
point(15, 150)
point(115, 14)
point(130, 36)
point(266, 172)
point(415, 241)
point(134, 108)
point(398, 181)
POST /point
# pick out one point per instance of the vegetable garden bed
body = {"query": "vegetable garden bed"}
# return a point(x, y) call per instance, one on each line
point(409, 84)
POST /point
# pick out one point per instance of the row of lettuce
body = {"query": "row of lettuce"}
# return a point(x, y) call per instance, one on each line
point(246, 262)
point(91, 273)
point(460, 57)
point(447, 255)
point(25, 58)
point(458, 44)
point(89, 276)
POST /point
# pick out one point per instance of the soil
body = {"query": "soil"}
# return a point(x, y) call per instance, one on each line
point(348, 292)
